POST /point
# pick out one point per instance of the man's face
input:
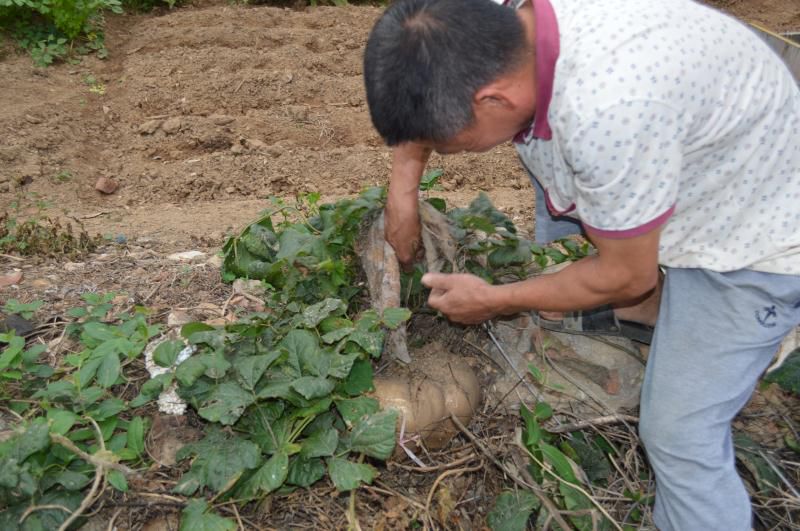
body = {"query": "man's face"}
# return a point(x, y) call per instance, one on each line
point(492, 126)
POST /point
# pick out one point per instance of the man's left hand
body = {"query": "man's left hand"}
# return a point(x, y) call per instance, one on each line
point(462, 298)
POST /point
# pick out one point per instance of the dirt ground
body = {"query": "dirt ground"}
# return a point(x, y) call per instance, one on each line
point(199, 115)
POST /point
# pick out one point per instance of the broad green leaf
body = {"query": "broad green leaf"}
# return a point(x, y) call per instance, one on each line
point(313, 387)
point(341, 364)
point(512, 510)
point(167, 352)
point(197, 517)
point(394, 317)
point(305, 472)
point(347, 475)
point(219, 459)
point(352, 409)
point(12, 350)
point(320, 444)
point(370, 340)
point(117, 480)
point(359, 381)
point(215, 363)
point(302, 345)
point(251, 368)
point(336, 335)
point(226, 404)
point(135, 435)
point(151, 389)
point(61, 421)
point(45, 519)
point(374, 435)
point(788, 374)
point(332, 324)
point(108, 371)
point(190, 370)
point(268, 478)
point(71, 480)
point(189, 329)
point(314, 314)
point(509, 255)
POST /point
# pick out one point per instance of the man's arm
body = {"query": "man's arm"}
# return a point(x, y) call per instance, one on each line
point(402, 207)
point(622, 270)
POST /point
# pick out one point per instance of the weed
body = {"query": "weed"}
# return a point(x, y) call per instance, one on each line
point(43, 237)
point(26, 311)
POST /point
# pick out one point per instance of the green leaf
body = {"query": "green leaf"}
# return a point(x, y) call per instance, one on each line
point(374, 435)
point(107, 408)
point(190, 329)
point(512, 510)
point(190, 370)
point(542, 411)
point(268, 478)
point(303, 347)
point(347, 475)
point(195, 517)
point(314, 314)
point(151, 389)
point(219, 460)
point(370, 340)
point(788, 374)
point(313, 387)
point(359, 381)
point(136, 435)
point(394, 317)
point(226, 403)
point(167, 352)
point(117, 480)
point(61, 421)
point(336, 335)
point(341, 364)
point(305, 472)
point(108, 372)
point(320, 444)
point(438, 203)
point(71, 480)
point(251, 368)
point(352, 409)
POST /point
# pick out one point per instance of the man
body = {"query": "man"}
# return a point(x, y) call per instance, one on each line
point(672, 133)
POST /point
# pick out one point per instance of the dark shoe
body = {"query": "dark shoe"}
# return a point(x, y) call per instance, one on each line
point(599, 322)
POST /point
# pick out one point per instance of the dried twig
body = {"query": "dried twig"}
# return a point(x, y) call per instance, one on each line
point(590, 423)
point(445, 474)
point(100, 472)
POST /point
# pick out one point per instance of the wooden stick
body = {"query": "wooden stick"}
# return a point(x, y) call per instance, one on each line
point(589, 423)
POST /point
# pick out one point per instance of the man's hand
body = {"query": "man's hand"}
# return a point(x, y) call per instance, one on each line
point(403, 229)
point(462, 298)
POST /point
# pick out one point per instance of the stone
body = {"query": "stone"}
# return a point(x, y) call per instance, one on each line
point(221, 119)
point(237, 149)
point(149, 127)
point(251, 287)
point(215, 261)
point(172, 125)
point(254, 143)
point(186, 256)
point(178, 318)
point(15, 277)
point(106, 185)
point(71, 267)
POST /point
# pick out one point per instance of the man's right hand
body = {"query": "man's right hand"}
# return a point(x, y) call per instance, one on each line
point(402, 227)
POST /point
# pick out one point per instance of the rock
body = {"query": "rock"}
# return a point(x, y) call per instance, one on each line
point(121, 239)
point(11, 279)
point(221, 119)
point(172, 125)
point(71, 267)
point(237, 149)
point(178, 318)
point(215, 261)
point(32, 119)
point(41, 283)
point(254, 143)
point(20, 325)
point(149, 127)
point(186, 256)
point(106, 185)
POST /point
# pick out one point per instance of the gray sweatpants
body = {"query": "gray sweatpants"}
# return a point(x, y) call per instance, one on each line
point(716, 334)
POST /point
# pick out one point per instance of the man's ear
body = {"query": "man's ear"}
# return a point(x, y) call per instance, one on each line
point(493, 95)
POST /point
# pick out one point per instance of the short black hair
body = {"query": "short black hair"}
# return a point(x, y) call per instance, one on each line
point(426, 59)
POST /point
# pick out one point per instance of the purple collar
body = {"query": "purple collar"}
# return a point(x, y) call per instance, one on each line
point(547, 50)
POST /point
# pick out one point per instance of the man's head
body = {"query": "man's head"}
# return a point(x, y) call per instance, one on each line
point(427, 61)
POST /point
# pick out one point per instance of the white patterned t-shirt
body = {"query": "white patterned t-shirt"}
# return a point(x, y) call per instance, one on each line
point(668, 113)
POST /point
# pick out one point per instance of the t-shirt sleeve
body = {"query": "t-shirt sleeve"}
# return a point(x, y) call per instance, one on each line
point(627, 161)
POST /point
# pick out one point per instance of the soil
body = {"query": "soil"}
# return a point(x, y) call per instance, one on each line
point(199, 115)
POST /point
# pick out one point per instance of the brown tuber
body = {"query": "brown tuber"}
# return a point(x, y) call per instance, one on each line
point(426, 395)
